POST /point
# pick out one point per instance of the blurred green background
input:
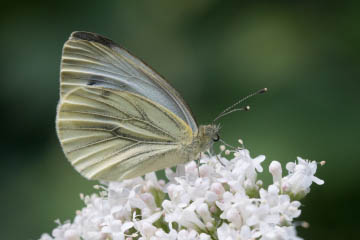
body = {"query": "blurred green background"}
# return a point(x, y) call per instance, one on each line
point(213, 52)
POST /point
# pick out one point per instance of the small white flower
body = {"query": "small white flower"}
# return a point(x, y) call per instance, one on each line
point(190, 219)
point(223, 201)
point(300, 178)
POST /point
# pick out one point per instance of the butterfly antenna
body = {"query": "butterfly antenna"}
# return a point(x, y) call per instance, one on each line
point(228, 145)
point(246, 108)
point(231, 108)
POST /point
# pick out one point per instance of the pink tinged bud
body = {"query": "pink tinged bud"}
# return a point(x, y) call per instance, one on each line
point(284, 187)
point(161, 182)
point(217, 188)
point(276, 171)
point(213, 209)
point(209, 225)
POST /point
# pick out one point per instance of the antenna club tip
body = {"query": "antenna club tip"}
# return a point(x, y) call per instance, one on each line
point(264, 90)
point(247, 108)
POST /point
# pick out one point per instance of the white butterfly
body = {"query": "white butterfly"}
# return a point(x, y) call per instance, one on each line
point(117, 118)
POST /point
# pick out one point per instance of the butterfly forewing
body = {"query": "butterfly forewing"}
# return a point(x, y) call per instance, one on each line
point(92, 60)
point(112, 135)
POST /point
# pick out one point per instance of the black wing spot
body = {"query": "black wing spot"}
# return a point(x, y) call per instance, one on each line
point(96, 80)
point(91, 82)
point(92, 37)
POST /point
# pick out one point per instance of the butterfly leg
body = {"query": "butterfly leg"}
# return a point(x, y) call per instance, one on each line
point(198, 164)
point(220, 160)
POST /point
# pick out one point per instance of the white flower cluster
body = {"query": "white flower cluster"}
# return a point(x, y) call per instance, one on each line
point(222, 199)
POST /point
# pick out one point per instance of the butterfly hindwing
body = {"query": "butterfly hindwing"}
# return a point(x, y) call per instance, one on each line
point(111, 134)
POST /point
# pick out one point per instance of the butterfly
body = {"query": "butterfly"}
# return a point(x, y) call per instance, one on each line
point(119, 119)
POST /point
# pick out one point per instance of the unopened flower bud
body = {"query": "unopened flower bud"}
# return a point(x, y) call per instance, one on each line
point(213, 209)
point(259, 183)
point(305, 224)
point(209, 225)
point(276, 171)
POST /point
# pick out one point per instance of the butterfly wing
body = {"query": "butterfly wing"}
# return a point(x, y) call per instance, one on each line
point(92, 60)
point(112, 135)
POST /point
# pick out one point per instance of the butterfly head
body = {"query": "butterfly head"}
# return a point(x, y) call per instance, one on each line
point(207, 135)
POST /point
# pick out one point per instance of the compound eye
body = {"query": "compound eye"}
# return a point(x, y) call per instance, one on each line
point(217, 138)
